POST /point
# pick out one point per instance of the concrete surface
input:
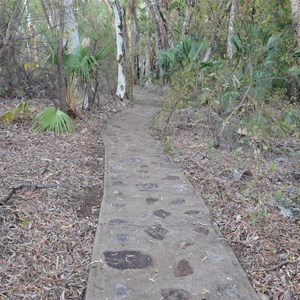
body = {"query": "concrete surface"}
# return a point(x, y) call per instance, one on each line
point(155, 238)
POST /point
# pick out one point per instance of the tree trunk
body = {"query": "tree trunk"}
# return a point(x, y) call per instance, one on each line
point(31, 47)
point(148, 43)
point(296, 17)
point(189, 4)
point(165, 24)
point(128, 66)
point(77, 97)
point(135, 41)
point(155, 14)
point(60, 70)
point(121, 85)
point(158, 34)
point(231, 29)
point(71, 30)
point(215, 24)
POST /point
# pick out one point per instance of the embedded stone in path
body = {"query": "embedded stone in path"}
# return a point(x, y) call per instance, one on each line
point(192, 212)
point(157, 232)
point(171, 177)
point(175, 294)
point(202, 230)
point(122, 237)
point(178, 201)
point(183, 269)
point(117, 221)
point(121, 290)
point(151, 200)
point(127, 259)
point(117, 183)
point(161, 213)
point(147, 186)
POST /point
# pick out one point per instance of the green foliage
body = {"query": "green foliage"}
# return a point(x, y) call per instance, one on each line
point(166, 143)
point(79, 64)
point(183, 55)
point(21, 110)
point(53, 119)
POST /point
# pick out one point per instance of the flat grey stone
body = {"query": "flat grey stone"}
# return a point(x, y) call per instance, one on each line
point(175, 294)
point(127, 259)
point(157, 232)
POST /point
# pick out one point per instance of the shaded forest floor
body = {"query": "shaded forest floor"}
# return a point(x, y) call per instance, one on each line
point(50, 196)
point(253, 195)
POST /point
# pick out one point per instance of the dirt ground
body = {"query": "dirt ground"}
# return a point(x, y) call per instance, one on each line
point(50, 194)
point(51, 189)
point(255, 199)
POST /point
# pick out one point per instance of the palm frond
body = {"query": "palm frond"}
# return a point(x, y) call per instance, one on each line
point(53, 119)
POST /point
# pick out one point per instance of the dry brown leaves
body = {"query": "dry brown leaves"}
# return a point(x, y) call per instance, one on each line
point(47, 233)
point(247, 209)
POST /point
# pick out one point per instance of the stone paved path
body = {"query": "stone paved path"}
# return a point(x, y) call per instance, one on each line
point(155, 239)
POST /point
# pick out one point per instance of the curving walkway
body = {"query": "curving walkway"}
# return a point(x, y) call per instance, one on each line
point(155, 239)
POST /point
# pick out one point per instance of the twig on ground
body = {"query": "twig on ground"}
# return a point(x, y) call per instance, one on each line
point(27, 185)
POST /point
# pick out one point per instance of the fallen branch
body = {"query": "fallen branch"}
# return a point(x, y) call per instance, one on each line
point(276, 266)
point(27, 185)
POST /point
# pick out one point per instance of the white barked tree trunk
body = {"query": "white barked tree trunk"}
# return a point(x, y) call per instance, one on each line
point(121, 86)
point(231, 29)
point(76, 96)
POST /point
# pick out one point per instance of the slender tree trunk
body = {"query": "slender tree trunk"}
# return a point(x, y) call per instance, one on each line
point(152, 4)
point(148, 43)
point(76, 95)
point(121, 85)
point(296, 17)
point(110, 12)
point(60, 70)
point(233, 10)
point(71, 31)
point(128, 63)
point(135, 40)
point(189, 4)
point(31, 45)
point(168, 42)
point(216, 23)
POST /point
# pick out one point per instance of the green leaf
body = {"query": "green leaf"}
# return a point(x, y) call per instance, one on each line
point(25, 221)
point(53, 119)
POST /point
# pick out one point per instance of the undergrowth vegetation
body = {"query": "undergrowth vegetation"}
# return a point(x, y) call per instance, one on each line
point(250, 99)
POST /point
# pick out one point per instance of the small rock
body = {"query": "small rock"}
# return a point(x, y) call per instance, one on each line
point(183, 269)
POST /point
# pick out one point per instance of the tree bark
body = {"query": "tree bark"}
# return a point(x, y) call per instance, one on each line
point(233, 10)
point(135, 41)
point(295, 5)
point(121, 85)
point(148, 43)
point(216, 23)
point(168, 42)
point(60, 70)
point(158, 34)
point(155, 14)
point(189, 4)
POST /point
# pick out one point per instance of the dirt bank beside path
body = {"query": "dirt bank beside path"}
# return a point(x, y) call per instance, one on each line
point(50, 195)
point(255, 199)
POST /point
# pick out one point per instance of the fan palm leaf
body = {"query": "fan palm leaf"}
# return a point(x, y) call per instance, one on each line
point(53, 119)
